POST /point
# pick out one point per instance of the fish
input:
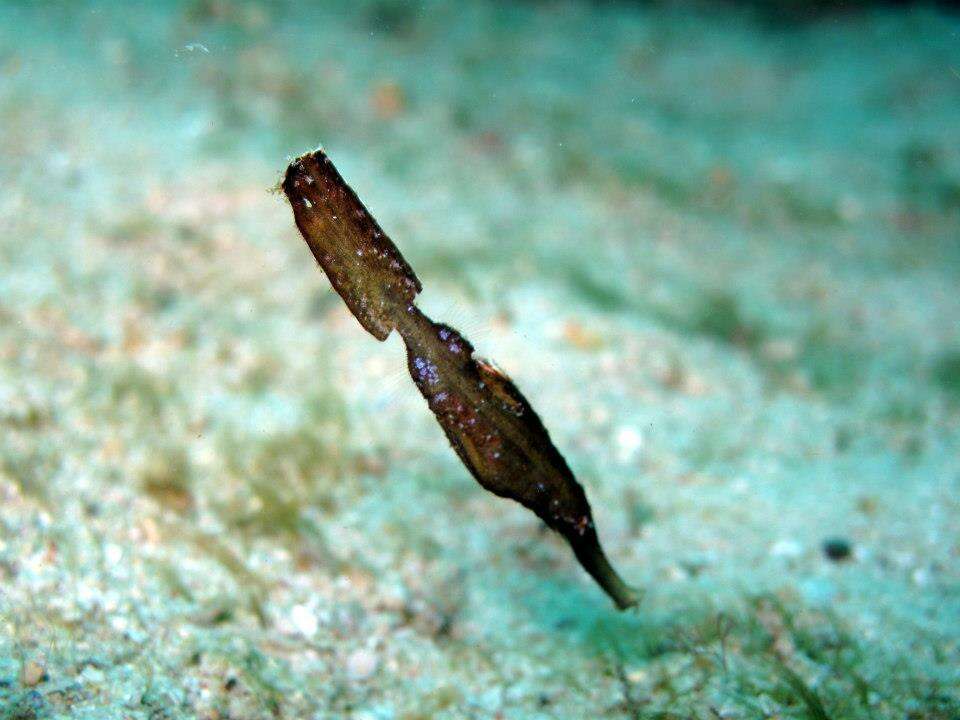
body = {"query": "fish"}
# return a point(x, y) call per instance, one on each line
point(489, 423)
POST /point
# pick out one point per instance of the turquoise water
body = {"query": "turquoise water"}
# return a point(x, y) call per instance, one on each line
point(718, 253)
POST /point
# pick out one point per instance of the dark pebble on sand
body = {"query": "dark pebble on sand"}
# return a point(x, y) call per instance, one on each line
point(836, 548)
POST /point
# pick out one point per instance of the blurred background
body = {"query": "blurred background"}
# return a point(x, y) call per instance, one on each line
point(716, 244)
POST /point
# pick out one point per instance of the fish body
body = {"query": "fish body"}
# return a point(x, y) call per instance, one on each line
point(489, 423)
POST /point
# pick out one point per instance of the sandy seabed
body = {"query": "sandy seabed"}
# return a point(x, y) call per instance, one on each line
point(720, 256)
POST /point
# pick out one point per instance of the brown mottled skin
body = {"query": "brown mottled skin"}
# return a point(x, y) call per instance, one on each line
point(363, 264)
point(487, 420)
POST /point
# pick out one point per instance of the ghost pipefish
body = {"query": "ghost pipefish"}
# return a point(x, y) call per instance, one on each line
point(489, 423)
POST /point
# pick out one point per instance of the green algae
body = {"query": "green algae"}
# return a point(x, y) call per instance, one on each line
point(947, 373)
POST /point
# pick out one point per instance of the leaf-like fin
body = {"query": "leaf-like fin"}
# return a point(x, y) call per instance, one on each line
point(362, 263)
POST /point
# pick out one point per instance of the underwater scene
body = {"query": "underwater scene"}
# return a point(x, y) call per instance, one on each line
point(480, 359)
